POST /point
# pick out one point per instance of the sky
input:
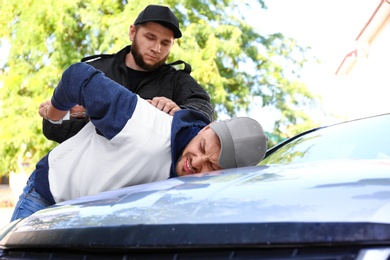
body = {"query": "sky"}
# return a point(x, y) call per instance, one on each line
point(330, 28)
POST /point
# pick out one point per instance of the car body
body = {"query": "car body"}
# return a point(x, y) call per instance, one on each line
point(323, 194)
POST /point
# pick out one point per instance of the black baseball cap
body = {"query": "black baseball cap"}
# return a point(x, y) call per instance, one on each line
point(162, 15)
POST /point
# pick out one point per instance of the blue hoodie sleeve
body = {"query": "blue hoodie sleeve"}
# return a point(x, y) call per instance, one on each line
point(109, 105)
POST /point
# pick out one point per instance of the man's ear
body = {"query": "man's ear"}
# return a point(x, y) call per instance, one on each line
point(132, 32)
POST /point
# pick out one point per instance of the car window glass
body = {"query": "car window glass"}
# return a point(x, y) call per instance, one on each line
point(360, 139)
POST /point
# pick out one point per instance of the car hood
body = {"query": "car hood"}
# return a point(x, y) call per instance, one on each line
point(316, 193)
point(343, 191)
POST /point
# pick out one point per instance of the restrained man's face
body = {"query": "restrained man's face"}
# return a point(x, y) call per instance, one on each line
point(151, 45)
point(201, 154)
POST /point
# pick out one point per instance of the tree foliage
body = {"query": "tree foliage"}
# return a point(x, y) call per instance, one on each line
point(229, 58)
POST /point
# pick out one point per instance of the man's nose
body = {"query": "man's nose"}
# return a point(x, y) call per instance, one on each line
point(157, 47)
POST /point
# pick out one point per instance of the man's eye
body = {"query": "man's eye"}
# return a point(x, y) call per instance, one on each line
point(212, 166)
point(201, 147)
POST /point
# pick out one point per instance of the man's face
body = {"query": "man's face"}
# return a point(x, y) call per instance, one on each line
point(201, 154)
point(151, 45)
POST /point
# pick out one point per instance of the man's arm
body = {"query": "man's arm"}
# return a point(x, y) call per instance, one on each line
point(71, 126)
point(190, 95)
point(108, 104)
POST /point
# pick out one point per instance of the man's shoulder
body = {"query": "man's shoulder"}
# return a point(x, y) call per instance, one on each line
point(102, 58)
point(103, 62)
point(181, 66)
point(98, 57)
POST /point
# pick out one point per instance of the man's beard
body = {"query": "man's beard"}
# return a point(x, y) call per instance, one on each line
point(139, 60)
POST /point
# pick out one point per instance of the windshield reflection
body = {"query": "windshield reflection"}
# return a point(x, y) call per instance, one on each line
point(360, 139)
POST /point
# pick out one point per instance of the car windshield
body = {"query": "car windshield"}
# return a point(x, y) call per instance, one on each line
point(360, 139)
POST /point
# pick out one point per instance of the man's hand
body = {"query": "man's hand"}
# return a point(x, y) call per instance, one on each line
point(48, 112)
point(165, 104)
point(43, 108)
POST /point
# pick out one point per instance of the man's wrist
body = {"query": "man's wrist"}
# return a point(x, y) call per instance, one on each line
point(56, 122)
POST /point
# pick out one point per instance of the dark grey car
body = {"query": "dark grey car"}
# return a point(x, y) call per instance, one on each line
point(324, 194)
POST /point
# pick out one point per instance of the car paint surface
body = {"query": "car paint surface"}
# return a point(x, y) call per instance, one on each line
point(339, 191)
point(294, 197)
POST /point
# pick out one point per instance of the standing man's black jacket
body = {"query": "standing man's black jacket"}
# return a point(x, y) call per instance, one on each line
point(177, 85)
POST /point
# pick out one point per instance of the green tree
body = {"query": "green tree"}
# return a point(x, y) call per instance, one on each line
point(229, 58)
